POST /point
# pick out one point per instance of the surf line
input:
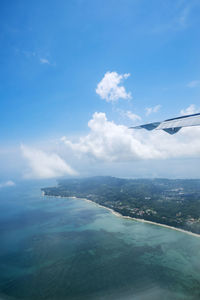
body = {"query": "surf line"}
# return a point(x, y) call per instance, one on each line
point(140, 220)
point(127, 217)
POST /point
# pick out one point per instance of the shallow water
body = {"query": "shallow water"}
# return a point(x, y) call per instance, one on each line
point(56, 248)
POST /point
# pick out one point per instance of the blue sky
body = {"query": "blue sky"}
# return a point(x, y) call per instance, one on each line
point(55, 53)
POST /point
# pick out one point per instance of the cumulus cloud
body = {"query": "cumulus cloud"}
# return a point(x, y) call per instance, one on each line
point(154, 109)
point(7, 184)
point(108, 141)
point(44, 61)
point(191, 109)
point(45, 165)
point(109, 87)
point(193, 84)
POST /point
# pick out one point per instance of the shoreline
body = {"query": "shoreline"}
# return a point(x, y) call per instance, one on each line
point(142, 220)
point(130, 218)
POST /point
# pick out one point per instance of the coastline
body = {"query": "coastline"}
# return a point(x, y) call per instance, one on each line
point(142, 220)
point(131, 218)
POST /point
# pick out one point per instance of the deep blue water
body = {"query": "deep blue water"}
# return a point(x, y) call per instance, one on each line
point(53, 248)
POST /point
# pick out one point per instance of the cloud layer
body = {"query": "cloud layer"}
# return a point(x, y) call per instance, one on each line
point(45, 165)
point(110, 90)
point(108, 141)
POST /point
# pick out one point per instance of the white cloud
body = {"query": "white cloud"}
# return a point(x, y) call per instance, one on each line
point(132, 116)
point(154, 109)
point(45, 165)
point(110, 90)
point(110, 142)
point(192, 109)
point(129, 114)
point(7, 183)
point(44, 61)
point(193, 84)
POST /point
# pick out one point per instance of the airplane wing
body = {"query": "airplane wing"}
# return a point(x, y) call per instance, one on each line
point(172, 126)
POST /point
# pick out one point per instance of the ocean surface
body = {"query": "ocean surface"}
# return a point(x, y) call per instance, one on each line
point(59, 248)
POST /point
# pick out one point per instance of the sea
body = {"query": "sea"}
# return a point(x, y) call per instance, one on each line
point(66, 248)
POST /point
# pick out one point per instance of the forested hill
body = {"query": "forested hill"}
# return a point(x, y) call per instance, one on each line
point(167, 201)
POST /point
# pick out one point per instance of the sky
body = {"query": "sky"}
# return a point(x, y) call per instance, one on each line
point(76, 74)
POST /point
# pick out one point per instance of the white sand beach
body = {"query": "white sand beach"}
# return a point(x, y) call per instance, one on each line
point(130, 218)
point(142, 220)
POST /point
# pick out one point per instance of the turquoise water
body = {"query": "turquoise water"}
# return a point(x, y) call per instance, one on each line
point(53, 248)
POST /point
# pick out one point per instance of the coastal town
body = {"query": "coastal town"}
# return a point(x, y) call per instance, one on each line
point(172, 202)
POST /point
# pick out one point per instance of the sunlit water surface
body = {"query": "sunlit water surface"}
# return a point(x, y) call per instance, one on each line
point(53, 248)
